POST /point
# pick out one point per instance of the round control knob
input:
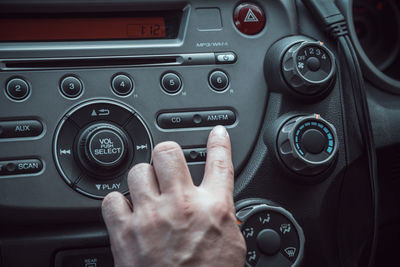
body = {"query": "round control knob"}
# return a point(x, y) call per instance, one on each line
point(269, 241)
point(307, 144)
point(308, 67)
point(103, 145)
point(96, 144)
point(272, 235)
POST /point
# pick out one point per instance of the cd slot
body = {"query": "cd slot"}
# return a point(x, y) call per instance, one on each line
point(116, 62)
point(76, 63)
point(107, 62)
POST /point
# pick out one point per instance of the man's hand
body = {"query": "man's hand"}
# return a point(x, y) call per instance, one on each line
point(173, 222)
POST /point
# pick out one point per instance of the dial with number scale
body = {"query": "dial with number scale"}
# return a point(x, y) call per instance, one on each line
point(308, 67)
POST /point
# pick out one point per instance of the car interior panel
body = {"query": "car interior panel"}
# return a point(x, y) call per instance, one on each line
point(308, 90)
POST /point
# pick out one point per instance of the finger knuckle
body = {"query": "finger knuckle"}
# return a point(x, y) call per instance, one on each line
point(220, 209)
point(223, 166)
point(138, 168)
point(219, 144)
point(166, 147)
point(110, 199)
point(184, 207)
point(148, 219)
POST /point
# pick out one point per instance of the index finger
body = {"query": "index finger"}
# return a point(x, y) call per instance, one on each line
point(219, 173)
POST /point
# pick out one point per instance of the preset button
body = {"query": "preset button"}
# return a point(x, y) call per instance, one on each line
point(71, 86)
point(122, 85)
point(17, 89)
point(171, 83)
point(218, 80)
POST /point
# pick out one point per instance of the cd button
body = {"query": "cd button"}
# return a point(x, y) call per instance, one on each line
point(174, 120)
point(17, 89)
point(71, 86)
point(122, 85)
point(171, 83)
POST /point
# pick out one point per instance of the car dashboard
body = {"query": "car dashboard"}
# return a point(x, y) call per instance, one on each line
point(90, 87)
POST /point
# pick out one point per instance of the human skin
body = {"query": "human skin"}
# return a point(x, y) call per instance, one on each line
point(172, 222)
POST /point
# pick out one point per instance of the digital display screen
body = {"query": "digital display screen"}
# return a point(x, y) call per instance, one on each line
point(80, 28)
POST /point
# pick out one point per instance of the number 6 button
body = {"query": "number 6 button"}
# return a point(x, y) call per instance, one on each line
point(122, 85)
point(218, 80)
point(71, 86)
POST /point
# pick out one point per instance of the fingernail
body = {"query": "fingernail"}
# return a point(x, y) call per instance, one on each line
point(219, 131)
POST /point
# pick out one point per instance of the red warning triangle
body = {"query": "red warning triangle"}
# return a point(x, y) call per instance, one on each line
point(250, 17)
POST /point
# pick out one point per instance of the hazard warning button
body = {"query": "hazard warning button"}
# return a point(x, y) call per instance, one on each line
point(249, 18)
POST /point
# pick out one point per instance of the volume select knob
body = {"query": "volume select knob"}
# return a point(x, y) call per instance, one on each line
point(307, 145)
point(308, 67)
point(103, 146)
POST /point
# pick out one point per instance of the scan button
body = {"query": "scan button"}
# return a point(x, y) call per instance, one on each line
point(23, 166)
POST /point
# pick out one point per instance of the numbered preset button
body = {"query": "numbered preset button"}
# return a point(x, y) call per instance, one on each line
point(218, 80)
point(71, 86)
point(17, 89)
point(171, 83)
point(122, 85)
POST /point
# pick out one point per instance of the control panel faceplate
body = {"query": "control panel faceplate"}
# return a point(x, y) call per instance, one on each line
point(177, 88)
